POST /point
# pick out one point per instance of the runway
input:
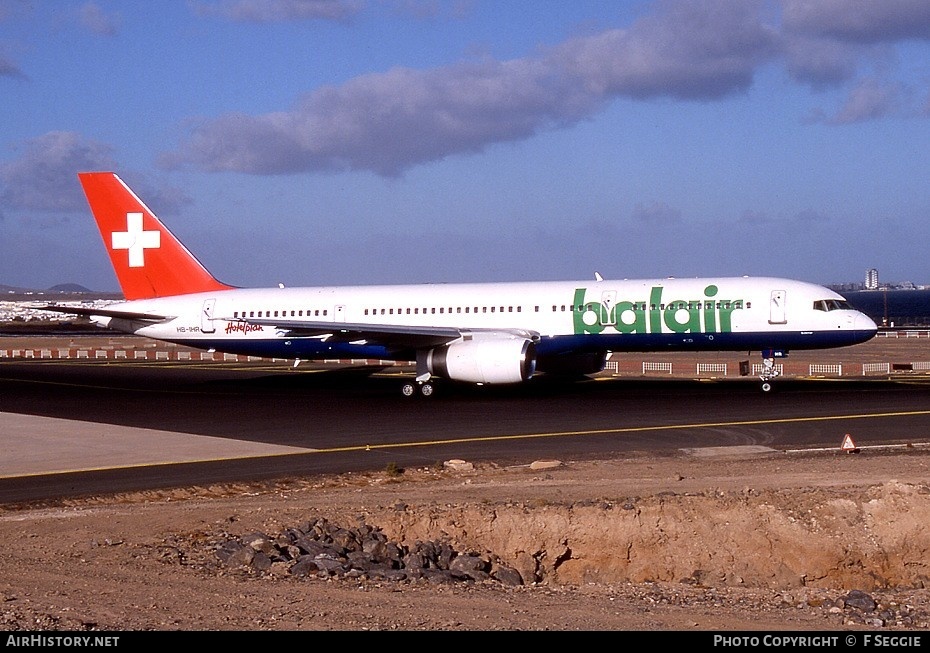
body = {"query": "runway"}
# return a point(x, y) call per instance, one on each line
point(72, 427)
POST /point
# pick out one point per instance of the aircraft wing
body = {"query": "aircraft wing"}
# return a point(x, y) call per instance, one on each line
point(390, 335)
point(106, 312)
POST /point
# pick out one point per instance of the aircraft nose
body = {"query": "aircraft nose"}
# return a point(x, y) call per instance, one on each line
point(864, 323)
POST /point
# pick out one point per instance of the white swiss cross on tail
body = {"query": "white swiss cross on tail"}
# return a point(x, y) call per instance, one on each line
point(136, 240)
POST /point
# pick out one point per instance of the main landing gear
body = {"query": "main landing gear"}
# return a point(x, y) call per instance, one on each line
point(414, 388)
point(421, 385)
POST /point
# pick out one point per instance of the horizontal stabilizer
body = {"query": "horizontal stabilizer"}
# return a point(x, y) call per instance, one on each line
point(106, 312)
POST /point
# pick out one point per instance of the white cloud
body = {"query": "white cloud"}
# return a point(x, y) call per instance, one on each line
point(98, 21)
point(859, 21)
point(820, 62)
point(656, 213)
point(9, 68)
point(43, 177)
point(871, 99)
point(390, 121)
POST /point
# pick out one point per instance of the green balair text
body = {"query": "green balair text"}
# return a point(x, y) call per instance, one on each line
point(655, 315)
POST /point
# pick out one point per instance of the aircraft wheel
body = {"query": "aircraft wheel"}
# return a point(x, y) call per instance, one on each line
point(427, 389)
point(408, 390)
point(766, 386)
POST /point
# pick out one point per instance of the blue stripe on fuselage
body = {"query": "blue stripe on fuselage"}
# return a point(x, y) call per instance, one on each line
point(662, 342)
point(313, 348)
point(303, 348)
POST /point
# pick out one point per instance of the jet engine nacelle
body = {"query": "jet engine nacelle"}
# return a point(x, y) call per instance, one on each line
point(498, 358)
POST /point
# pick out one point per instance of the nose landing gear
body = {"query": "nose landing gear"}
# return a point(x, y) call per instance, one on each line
point(769, 371)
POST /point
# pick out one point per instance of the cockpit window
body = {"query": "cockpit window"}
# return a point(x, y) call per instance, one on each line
point(832, 305)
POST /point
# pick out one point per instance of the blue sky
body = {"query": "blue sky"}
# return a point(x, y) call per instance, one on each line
point(318, 142)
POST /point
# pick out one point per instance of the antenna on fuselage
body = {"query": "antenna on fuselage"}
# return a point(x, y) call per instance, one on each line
point(598, 277)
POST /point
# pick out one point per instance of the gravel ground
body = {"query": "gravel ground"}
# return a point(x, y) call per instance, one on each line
point(148, 561)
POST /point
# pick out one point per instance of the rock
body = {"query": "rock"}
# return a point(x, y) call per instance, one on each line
point(321, 548)
point(304, 567)
point(860, 600)
point(242, 557)
point(506, 575)
point(469, 566)
point(261, 561)
point(458, 466)
point(545, 464)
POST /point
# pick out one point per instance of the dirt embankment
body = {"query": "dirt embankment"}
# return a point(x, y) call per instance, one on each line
point(869, 538)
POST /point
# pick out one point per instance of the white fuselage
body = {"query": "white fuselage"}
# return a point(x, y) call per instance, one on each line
point(736, 313)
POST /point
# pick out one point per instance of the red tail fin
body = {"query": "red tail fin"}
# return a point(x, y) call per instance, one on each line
point(149, 261)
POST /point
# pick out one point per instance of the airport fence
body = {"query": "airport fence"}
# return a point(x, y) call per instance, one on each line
point(682, 365)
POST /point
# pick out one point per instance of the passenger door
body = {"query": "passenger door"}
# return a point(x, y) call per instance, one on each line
point(777, 313)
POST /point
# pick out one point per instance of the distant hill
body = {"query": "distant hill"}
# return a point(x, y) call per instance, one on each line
point(69, 287)
point(16, 293)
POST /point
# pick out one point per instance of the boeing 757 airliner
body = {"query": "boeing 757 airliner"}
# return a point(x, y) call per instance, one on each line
point(482, 333)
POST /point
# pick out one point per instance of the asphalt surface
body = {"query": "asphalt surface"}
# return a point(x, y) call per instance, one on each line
point(72, 427)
